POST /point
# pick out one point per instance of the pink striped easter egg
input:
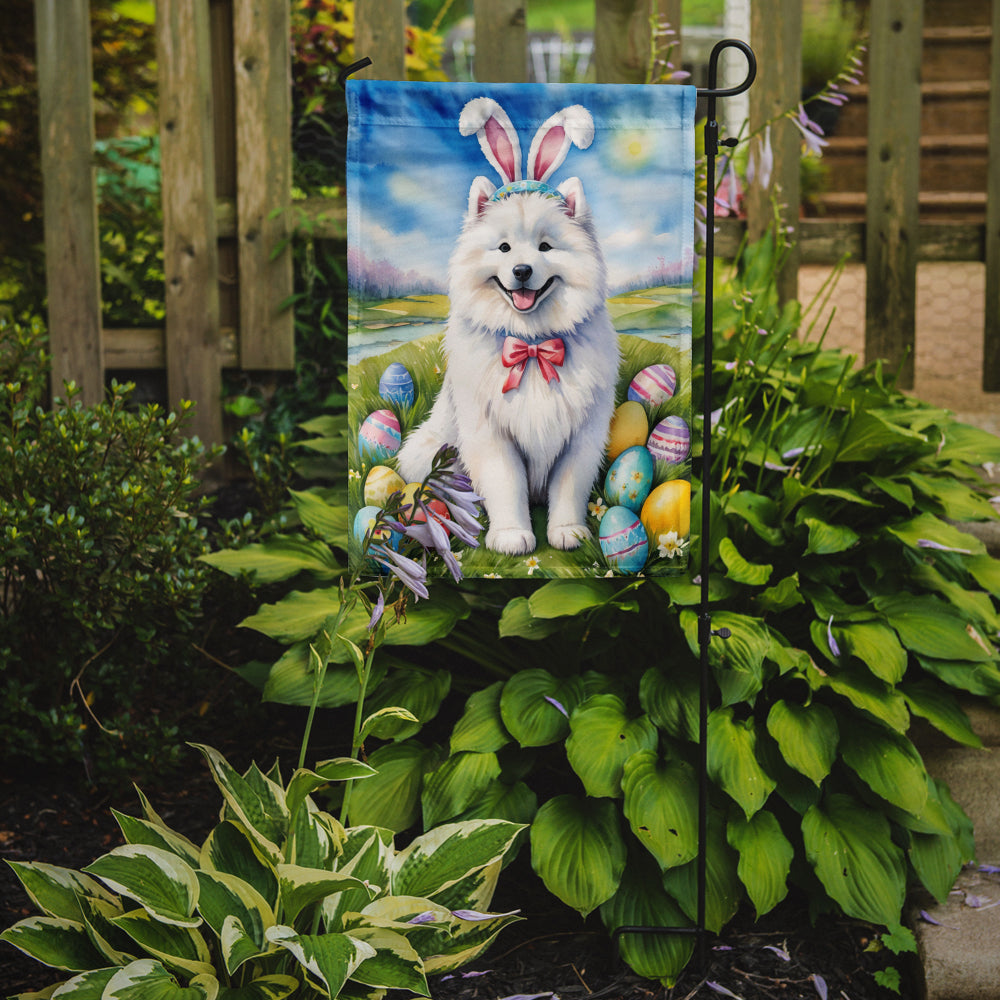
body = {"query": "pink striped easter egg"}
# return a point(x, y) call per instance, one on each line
point(653, 385)
point(379, 437)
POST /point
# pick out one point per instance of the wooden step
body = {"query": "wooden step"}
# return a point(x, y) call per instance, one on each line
point(940, 13)
point(956, 53)
point(958, 206)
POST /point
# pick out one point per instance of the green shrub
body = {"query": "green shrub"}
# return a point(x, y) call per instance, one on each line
point(101, 584)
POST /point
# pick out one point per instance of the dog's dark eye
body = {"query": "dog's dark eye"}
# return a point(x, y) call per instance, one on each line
point(544, 247)
point(504, 248)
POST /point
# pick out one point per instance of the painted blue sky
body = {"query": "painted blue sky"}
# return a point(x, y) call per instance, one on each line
point(410, 169)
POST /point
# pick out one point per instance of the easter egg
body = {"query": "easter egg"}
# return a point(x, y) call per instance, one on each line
point(623, 540)
point(653, 385)
point(670, 440)
point(629, 427)
point(396, 385)
point(381, 483)
point(411, 513)
point(630, 478)
point(667, 508)
point(380, 436)
point(364, 522)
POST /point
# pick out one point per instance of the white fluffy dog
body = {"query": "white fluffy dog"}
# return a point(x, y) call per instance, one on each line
point(532, 356)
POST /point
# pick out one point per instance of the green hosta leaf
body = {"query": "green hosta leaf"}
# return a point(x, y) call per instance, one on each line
point(456, 784)
point(325, 519)
point(230, 849)
point(661, 799)
point(147, 979)
point(225, 897)
point(180, 948)
point(986, 572)
point(807, 736)
point(578, 851)
point(56, 891)
point(965, 443)
point(893, 488)
point(141, 831)
point(395, 964)
point(516, 803)
point(732, 760)
point(683, 592)
point(928, 528)
point(870, 436)
point(783, 595)
point(159, 881)
point(391, 798)
point(386, 723)
point(528, 711)
point(866, 692)
point(481, 728)
point(751, 574)
point(758, 511)
point(292, 679)
point(738, 661)
point(976, 678)
point(441, 857)
point(671, 700)
point(279, 558)
point(602, 738)
point(516, 620)
point(976, 605)
point(876, 646)
point(828, 539)
point(957, 501)
point(301, 887)
point(641, 901)
point(937, 859)
point(560, 598)
point(723, 889)
point(931, 628)
point(941, 709)
point(888, 763)
point(330, 959)
point(417, 690)
point(274, 987)
point(54, 941)
point(850, 848)
point(765, 858)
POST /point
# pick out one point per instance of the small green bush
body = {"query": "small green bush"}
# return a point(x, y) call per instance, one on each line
point(99, 575)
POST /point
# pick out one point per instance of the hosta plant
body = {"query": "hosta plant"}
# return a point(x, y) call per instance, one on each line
point(279, 900)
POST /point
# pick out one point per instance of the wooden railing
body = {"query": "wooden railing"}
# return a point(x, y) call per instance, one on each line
point(226, 160)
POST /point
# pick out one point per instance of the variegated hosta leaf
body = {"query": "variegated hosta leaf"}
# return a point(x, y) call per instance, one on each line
point(578, 851)
point(441, 857)
point(481, 727)
point(476, 890)
point(642, 902)
point(395, 964)
point(807, 735)
point(732, 760)
point(315, 838)
point(468, 939)
point(158, 880)
point(56, 891)
point(765, 858)
point(300, 887)
point(177, 947)
point(116, 947)
point(225, 897)
point(54, 941)
point(329, 959)
point(149, 980)
point(367, 853)
point(888, 763)
point(850, 847)
point(141, 831)
point(456, 784)
point(230, 849)
point(602, 737)
point(86, 986)
point(661, 805)
point(304, 782)
point(535, 706)
point(275, 987)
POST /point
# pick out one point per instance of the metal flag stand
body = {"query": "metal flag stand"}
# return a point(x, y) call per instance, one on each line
point(705, 630)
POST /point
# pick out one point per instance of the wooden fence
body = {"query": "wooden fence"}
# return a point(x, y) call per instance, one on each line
point(226, 161)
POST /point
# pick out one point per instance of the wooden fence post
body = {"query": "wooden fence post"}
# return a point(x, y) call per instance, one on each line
point(776, 35)
point(380, 34)
point(72, 255)
point(262, 61)
point(190, 251)
point(623, 38)
point(893, 183)
point(991, 332)
point(501, 38)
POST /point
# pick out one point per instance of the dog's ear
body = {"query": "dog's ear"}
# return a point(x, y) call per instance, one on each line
point(576, 201)
point(573, 125)
point(479, 194)
point(497, 137)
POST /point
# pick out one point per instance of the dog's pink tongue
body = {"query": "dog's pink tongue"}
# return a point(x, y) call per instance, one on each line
point(524, 298)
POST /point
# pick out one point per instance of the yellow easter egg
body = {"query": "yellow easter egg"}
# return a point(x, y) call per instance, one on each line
point(381, 483)
point(629, 427)
point(667, 508)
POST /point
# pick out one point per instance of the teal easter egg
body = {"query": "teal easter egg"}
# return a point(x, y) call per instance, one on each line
point(380, 436)
point(653, 385)
point(623, 540)
point(396, 385)
point(630, 478)
point(364, 522)
point(670, 440)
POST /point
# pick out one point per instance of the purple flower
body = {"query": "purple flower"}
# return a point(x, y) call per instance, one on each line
point(761, 162)
point(552, 701)
point(427, 917)
point(811, 132)
point(927, 543)
point(780, 952)
point(820, 983)
point(409, 572)
point(377, 612)
point(831, 642)
point(475, 915)
point(719, 988)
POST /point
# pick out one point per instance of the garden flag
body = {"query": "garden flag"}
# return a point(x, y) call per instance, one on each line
point(520, 263)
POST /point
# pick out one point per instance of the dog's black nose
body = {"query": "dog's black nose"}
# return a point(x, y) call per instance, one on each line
point(522, 272)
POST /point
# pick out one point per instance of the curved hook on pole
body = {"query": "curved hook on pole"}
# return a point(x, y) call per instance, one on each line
point(713, 69)
point(353, 68)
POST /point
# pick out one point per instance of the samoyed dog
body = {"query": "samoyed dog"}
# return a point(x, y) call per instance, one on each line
point(532, 356)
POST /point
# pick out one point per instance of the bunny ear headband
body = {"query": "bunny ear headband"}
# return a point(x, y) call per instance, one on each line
point(501, 146)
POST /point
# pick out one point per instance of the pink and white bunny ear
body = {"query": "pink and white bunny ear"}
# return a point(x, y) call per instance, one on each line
point(552, 141)
point(497, 138)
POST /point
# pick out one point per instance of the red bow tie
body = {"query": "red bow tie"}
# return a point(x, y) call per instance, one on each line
point(516, 353)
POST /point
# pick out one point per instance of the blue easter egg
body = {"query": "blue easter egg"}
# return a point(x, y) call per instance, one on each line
point(396, 385)
point(630, 478)
point(380, 436)
point(670, 440)
point(364, 522)
point(653, 385)
point(623, 540)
